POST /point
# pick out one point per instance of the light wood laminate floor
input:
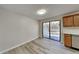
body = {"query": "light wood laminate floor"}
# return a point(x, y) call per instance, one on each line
point(42, 46)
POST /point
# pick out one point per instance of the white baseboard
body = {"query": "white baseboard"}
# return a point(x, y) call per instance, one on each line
point(16, 46)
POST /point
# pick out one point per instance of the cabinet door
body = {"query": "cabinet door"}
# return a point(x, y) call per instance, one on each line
point(76, 20)
point(67, 40)
point(68, 21)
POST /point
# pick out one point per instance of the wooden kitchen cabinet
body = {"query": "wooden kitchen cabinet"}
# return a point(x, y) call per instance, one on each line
point(68, 21)
point(68, 40)
point(76, 20)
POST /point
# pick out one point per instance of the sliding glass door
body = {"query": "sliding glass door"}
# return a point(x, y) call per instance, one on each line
point(55, 30)
point(46, 30)
point(51, 30)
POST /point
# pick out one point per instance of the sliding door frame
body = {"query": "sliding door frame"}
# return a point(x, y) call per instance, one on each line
point(49, 29)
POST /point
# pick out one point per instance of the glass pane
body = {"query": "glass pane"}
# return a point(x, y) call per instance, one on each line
point(55, 30)
point(46, 29)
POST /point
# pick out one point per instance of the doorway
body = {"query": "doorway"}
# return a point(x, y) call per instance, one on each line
point(52, 30)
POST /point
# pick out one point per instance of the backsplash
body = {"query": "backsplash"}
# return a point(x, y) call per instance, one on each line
point(71, 30)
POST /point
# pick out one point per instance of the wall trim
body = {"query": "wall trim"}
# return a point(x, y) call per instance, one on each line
point(17, 46)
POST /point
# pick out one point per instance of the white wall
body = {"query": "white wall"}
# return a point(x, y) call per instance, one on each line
point(16, 29)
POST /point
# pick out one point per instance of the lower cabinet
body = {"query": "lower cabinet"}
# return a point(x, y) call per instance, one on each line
point(68, 40)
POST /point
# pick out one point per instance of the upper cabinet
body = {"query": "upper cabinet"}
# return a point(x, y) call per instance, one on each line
point(76, 20)
point(68, 21)
point(71, 21)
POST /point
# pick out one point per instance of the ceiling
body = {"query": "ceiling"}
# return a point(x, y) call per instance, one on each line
point(29, 10)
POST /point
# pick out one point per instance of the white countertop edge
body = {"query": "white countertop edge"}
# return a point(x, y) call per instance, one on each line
point(71, 33)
